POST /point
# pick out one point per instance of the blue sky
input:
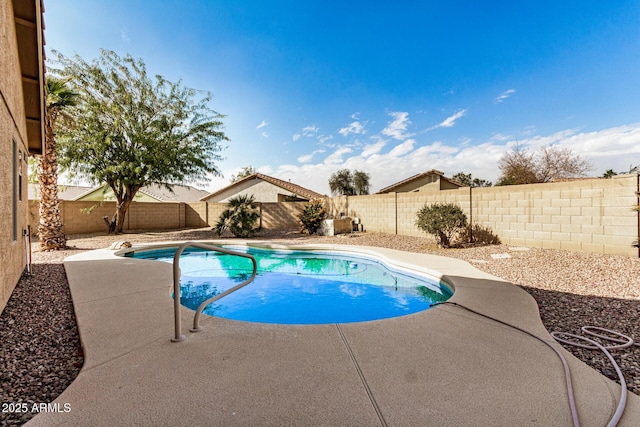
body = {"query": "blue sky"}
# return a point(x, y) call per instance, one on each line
point(389, 88)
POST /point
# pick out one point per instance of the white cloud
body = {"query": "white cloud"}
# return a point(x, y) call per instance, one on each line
point(262, 124)
point(615, 148)
point(500, 137)
point(354, 127)
point(324, 138)
point(336, 156)
point(310, 130)
point(398, 127)
point(307, 131)
point(451, 120)
point(264, 134)
point(402, 148)
point(504, 95)
point(306, 158)
point(372, 148)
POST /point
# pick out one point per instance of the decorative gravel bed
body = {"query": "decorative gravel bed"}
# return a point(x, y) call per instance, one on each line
point(40, 352)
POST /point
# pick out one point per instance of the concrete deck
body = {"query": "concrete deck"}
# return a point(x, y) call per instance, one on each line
point(443, 366)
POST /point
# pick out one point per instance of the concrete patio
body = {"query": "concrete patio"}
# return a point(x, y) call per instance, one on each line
point(443, 366)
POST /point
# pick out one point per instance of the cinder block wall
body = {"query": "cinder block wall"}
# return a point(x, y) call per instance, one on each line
point(80, 217)
point(592, 215)
point(280, 216)
point(85, 217)
point(376, 212)
point(155, 216)
point(196, 214)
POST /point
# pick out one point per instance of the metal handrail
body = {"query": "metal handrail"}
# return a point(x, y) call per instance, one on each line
point(176, 286)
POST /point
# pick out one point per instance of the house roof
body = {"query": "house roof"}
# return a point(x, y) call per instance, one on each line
point(393, 187)
point(286, 185)
point(29, 33)
point(181, 193)
point(178, 193)
point(65, 192)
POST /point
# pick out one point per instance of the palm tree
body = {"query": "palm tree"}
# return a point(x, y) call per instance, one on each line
point(51, 234)
point(240, 217)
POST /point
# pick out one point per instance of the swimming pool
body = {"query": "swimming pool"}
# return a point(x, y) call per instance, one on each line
point(300, 287)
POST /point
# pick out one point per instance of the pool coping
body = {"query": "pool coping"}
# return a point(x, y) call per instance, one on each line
point(441, 366)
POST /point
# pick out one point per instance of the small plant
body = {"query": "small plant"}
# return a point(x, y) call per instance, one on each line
point(312, 215)
point(240, 217)
point(479, 234)
point(444, 221)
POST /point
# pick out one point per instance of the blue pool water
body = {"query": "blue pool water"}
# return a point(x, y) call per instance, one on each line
point(299, 287)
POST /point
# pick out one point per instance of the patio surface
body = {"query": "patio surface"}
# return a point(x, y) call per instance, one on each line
point(443, 366)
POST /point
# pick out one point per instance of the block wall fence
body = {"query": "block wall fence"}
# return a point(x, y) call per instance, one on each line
point(79, 217)
point(591, 215)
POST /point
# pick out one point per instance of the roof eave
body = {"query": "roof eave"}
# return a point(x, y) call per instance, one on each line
point(29, 33)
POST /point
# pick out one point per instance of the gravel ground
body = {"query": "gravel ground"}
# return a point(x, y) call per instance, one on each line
point(40, 352)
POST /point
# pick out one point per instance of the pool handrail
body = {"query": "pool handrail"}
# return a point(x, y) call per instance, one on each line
point(176, 286)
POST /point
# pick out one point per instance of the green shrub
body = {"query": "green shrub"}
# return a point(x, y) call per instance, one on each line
point(312, 215)
point(444, 221)
point(240, 217)
point(480, 234)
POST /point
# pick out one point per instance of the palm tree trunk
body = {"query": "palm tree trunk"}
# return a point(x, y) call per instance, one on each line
point(50, 230)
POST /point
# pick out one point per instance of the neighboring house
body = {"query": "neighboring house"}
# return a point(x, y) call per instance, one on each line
point(149, 193)
point(432, 180)
point(65, 192)
point(22, 113)
point(264, 189)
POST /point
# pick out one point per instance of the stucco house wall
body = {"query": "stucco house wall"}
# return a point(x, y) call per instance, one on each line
point(262, 191)
point(432, 180)
point(14, 150)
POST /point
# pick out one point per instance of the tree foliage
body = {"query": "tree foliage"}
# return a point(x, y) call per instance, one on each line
point(240, 217)
point(312, 215)
point(245, 172)
point(346, 183)
point(611, 173)
point(467, 181)
point(361, 182)
point(520, 166)
point(132, 130)
point(443, 220)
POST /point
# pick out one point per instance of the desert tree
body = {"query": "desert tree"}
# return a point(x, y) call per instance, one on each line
point(60, 98)
point(346, 183)
point(245, 172)
point(132, 130)
point(361, 183)
point(341, 183)
point(520, 166)
point(468, 181)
